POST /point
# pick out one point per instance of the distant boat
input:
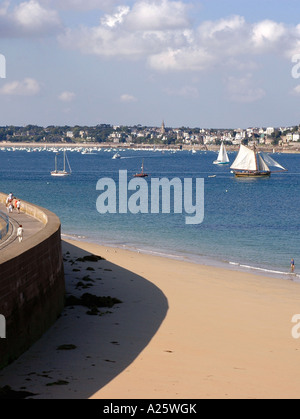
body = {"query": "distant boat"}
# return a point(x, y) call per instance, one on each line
point(142, 174)
point(252, 163)
point(88, 152)
point(222, 157)
point(116, 156)
point(63, 172)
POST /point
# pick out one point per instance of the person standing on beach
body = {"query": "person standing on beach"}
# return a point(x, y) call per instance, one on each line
point(292, 265)
point(20, 233)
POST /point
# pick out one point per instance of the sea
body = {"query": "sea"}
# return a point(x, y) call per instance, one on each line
point(248, 225)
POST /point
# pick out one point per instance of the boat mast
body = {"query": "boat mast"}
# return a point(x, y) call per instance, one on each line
point(255, 155)
point(64, 160)
point(68, 163)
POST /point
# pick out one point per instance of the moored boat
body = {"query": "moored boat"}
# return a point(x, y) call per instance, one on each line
point(142, 174)
point(64, 172)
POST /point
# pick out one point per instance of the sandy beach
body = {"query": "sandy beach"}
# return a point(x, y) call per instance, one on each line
point(181, 331)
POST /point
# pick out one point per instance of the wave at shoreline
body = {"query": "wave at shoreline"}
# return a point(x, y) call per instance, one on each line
point(191, 258)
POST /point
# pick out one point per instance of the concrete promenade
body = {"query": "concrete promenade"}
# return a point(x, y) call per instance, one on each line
point(30, 225)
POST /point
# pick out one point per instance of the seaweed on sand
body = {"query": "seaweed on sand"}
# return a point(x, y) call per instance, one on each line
point(90, 301)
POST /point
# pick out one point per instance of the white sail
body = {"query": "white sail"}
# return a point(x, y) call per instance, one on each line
point(222, 156)
point(271, 162)
point(262, 166)
point(245, 160)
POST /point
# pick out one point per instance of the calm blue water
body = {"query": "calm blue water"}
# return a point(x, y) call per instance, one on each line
point(252, 222)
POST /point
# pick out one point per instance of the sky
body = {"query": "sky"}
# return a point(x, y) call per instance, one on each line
point(207, 63)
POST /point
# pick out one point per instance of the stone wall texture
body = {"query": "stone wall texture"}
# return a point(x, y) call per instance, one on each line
point(32, 286)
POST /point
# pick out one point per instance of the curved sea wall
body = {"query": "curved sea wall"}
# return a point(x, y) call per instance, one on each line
point(3, 225)
point(32, 286)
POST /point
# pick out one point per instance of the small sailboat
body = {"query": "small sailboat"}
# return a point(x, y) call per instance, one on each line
point(252, 163)
point(142, 174)
point(116, 156)
point(63, 172)
point(222, 157)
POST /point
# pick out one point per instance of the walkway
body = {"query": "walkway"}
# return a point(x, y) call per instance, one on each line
point(30, 226)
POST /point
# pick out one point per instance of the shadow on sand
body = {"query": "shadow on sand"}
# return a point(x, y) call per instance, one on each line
point(82, 353)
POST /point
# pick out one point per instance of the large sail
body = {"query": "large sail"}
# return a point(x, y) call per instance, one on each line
point(245, 160)
point(271, 162)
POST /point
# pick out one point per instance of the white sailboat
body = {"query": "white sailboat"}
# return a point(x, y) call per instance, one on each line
point(252, 163)
point(63, 172)
point(222, 157)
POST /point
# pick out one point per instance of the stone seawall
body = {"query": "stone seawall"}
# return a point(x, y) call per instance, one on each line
point(32, 287)
point(3, 225)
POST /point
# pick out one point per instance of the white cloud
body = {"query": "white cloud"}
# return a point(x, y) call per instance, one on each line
point(26, 87)
point(159, 32)
point(184, 59)
point(162, 34)
point(67, 96)
point(33, 17)
point(28, 18)
point(158, 15)
point(267, 34)
point(149, 27)
point(80, 5)
point(225, 27)
point(117, 18)
point(244, 89)
point(126, 98)
point(296, 90)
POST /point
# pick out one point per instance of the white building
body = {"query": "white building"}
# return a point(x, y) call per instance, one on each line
point(69, 134)
point(270, 130)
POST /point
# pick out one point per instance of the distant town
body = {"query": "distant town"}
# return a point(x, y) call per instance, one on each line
point(286, 137)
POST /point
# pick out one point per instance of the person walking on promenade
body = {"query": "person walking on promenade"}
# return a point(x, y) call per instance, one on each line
point(292, 265)
point(18, 206)
point(20, 233)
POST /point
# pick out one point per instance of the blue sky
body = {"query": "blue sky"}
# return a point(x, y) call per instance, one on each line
point(209, 63)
